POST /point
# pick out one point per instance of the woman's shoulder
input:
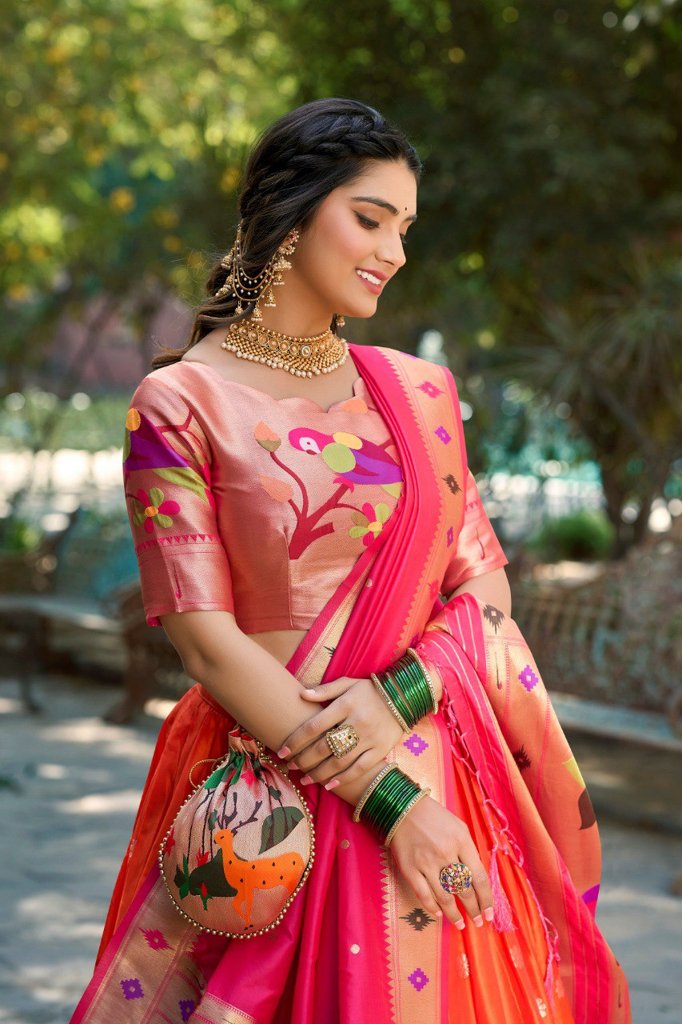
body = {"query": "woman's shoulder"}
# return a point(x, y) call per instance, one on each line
point(167, 388)
point(170, 377)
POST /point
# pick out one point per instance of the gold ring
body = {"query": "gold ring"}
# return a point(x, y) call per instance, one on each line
point(342, 739)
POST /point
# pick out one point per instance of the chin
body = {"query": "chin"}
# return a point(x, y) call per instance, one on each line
point(365, 315)
point(357, 312)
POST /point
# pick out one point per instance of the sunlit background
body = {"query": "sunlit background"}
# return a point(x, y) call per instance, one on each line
point(545, 270)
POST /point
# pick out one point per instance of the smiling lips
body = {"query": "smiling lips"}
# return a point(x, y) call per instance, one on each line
point(371, 281)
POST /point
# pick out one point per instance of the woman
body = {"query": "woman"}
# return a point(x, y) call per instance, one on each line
point(288, 582)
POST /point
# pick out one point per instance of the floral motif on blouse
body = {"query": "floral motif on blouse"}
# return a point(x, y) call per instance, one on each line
point(146, 448)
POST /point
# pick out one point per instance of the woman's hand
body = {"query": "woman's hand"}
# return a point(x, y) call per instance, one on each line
point(427, 839)
point(355, 702)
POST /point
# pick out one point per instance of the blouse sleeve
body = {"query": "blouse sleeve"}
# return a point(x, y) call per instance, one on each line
point(478, 550)
point(183, 563)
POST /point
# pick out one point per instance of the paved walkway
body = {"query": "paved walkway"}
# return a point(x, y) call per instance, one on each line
point(69, 786)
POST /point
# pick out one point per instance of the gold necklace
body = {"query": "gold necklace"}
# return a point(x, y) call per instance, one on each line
point(302, 357)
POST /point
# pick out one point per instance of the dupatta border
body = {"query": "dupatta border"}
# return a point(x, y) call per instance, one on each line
point(419, 403)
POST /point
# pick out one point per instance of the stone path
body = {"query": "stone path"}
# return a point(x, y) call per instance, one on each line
point(69, 786)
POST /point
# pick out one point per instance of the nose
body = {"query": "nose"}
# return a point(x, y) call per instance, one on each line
point(391, 251)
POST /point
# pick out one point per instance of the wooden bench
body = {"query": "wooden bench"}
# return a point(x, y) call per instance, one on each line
point(59, 603)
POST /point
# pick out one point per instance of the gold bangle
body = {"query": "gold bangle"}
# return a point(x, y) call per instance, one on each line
point(427, 677)
point(370, 789)
point(389, 703)
point(413, 801)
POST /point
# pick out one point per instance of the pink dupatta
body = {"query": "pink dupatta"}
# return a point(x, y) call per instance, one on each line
point(390, 600)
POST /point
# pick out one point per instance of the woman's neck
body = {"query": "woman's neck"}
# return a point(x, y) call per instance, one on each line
point(297, 313)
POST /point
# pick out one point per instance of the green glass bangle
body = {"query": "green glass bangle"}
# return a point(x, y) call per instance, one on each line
point(388, 801)
point(414, 685)
point(382, 824)
point(413, 678)
point(389, 835)
point(384, 797)
point(382, 808)
point(409, 677)
point(388, 826)
point(414, 694)
point(391, 694)
point(427, 676)
point(372, 786)
point(397, 697)
point(385, 794)
point(389, 703)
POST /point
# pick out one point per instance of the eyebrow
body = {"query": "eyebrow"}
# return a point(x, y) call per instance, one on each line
point(381, 202)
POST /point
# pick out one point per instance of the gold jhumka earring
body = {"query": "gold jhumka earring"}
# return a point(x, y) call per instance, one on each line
point(251, 289)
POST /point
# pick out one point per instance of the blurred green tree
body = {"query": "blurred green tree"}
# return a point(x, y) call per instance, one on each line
point(550, 205)
point(124, 132)
point(550, 133)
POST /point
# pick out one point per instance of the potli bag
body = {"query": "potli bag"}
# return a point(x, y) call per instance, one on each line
point(241, 845)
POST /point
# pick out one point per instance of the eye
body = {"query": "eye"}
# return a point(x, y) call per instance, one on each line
point(366, 222)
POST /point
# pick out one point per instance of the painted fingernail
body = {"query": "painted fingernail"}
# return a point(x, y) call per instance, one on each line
point(333, 784)
point(461, 924)
point(439, 913)
point(488, 913)
point(283, 752)
point(306, 780)
point(478, 921)
point(292, 764)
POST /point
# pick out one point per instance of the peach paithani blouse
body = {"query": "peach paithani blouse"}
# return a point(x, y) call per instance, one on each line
point(242, 502)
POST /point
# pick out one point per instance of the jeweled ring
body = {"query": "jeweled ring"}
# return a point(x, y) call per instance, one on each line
point(456, 878)
point(342, 739)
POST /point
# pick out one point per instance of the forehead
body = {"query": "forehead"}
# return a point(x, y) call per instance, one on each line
point(389, 179)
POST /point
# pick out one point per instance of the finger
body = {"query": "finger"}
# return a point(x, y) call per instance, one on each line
point(326, 691)
point(321, 773)
point(480, 880)
point(310, 731)
point(424, 894)
point(447, 903)
point(316, 753)
point(313, 756)
point(351, 766)
point(332, 767)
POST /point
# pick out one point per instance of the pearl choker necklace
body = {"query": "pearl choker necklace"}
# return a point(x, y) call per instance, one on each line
point(302, 357)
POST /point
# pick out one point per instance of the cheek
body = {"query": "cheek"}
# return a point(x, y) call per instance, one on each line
point(354, 244)
point(343, 242)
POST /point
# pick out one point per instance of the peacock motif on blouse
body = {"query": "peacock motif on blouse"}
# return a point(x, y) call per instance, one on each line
point(352, 461)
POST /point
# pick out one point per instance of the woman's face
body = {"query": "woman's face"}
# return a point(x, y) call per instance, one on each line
point(354, 244)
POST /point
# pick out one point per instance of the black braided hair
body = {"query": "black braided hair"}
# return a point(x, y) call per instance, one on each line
point(292, 168)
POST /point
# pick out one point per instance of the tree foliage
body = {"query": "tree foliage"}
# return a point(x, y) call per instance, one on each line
point(550, 132)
